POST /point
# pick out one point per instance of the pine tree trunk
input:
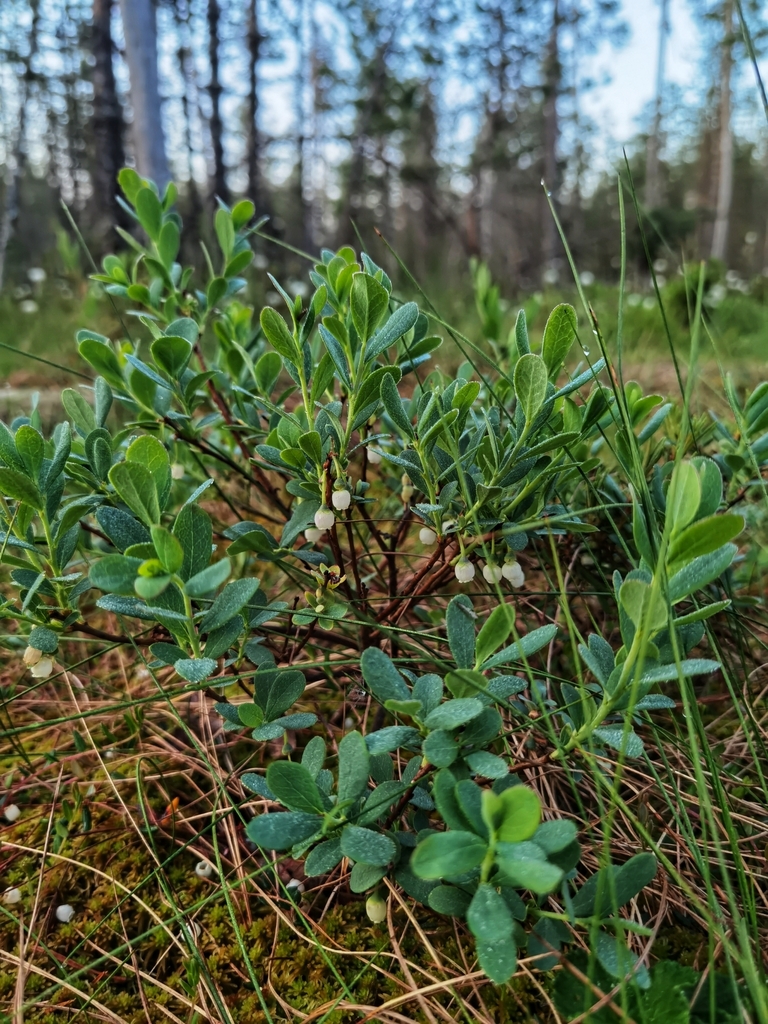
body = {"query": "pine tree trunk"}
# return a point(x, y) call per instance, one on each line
point(140, 30)
point(653, 197)
point(220, 187)
point(724, 140)
point(552, 76)
point(107, 122)
point(252, 146)
point(11, 206)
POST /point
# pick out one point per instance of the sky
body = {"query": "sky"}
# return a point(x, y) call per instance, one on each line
point(618, 105)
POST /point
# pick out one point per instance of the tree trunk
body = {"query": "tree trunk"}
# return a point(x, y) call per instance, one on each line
point(724, 140)
point(552, 76)
point(220, 187)
point(140, 30)
point(653, 197)
point(107, 122)
point(190, 107)
point(252, 142)
point(11, 206)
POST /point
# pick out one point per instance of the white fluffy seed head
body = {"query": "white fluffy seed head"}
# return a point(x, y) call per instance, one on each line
point(341, 499)
point(43, 668)
point(427, 536)
point(324, 518)
point(203, 869)
point(465, 571)
point(32, 656)
point(65, 913)
point(491, 572)
point(11, 812)
point(374, 457)
point(312, 534)
point(376, 909)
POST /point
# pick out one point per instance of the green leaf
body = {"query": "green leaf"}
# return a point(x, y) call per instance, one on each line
point(78, 410)
point(440, 749)
point(702, 538)
point(220, 640)
point(275, 729)
point(460, 623)
point(688, 667)
point(523, 866)
point(294, 787)
point(312, 445)
point(628, 743)
point(282, 831)
point(530, 384)
point(209, 579)
point(368, 304)
point(148, 452)
point(554, 836)
point(150, 587)
point(131, 606)
point(233, 597)
point(43, 639)
point(195, 670)
point(364, 846)
point(643, 604)
point(683, 496)
point(701, 571)
point(194, 532)
point(494, 632)
point(149, 212)
point(364, 876)
point(488, 916)
point(354, 767)
point(136, 486)
point(323, 858)
point(31, 449)
point(447, 854)
point(266, 372)
point(393, 404)
point(611, 887)
point(169, 654)
point(453, 713)
point(379, 801)
point(448, 900)
point(393, 736)
point(497, 959)
point(225, 231)
point(121, 528)
point(618, 961)
point(276, 690)
point(277, 334)
point(558, 337)
point(168, 243)
point(523, 648)
point(520, 814)
point(401, 321)
point(130, 183)
point(18, 486)
point(171, 355)
point(487, 765)
point(313, 756)
point(103, 359)
point(169, 550)
point(382, 677)
point(115, 574)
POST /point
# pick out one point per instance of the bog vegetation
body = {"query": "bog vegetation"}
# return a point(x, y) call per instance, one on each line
point(479, 653)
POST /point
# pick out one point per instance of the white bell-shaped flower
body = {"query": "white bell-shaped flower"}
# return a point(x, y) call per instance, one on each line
point(324, 518)
point(465, 571)
point(341, 499)
point(491, 572)
point(427, 536)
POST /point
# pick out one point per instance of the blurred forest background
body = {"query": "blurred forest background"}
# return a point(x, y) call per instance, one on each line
point(435, 121)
